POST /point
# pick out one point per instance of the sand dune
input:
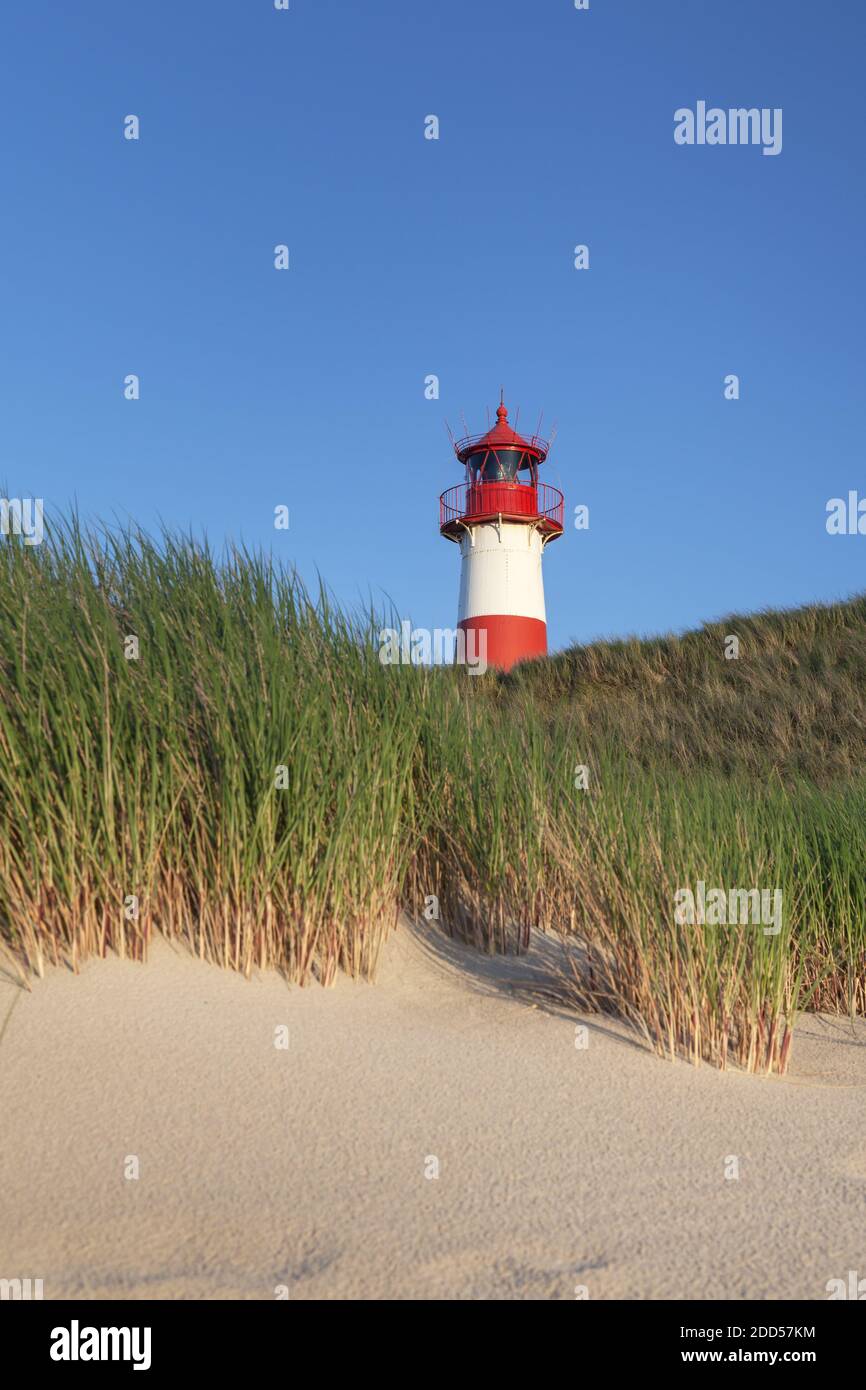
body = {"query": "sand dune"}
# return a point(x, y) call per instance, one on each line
point(260, 1167)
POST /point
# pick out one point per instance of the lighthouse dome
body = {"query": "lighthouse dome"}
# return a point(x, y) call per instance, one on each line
point(501, 453)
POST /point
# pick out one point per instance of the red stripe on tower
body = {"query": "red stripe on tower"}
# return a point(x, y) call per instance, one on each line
point(502, 639)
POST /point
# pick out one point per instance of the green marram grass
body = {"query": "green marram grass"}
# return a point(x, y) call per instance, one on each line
point(193, 744)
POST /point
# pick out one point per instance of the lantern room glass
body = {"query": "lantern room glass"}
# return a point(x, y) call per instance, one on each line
point(501, 466)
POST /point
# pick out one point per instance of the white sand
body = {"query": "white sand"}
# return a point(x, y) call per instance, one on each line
point(261, 1167)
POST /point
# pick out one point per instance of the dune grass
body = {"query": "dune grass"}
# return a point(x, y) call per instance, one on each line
point(252, 780)
point(224, 786)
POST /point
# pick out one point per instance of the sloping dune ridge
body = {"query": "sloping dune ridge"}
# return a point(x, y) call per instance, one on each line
point(436, 1135)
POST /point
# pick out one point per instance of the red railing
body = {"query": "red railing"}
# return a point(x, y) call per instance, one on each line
point(470, 502)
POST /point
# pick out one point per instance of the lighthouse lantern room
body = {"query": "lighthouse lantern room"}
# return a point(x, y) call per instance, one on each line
point(502, 517)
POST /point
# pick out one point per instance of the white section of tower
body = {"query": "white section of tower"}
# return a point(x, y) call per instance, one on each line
point(500, 571)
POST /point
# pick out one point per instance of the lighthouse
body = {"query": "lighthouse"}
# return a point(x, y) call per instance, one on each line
point(502, 517)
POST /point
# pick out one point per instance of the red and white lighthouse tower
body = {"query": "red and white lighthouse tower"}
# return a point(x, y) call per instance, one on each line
point(502, 526)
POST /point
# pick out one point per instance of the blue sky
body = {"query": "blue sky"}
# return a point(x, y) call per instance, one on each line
point(410, 257)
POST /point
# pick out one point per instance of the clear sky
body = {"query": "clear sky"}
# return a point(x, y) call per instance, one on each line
point(454, 257)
